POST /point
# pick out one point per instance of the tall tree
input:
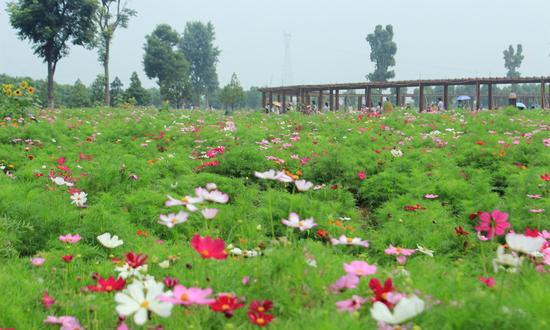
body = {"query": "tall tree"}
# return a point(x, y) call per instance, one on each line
point(166, 63)
point(52, 25)
point(232, 94)
point(97, 91)
point(198, 47)
point(79, 96)
point(111, 15)
point(136, 92)
point(512, 60)
point(117, 92)
point(383, 50)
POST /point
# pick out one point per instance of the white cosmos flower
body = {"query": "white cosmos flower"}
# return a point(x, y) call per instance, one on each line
point(267, 175)
point(525, 244)
point(504, 259)
point(295, 222)
point(343, 240)
point(424, 250)
point(79, 199)
point(127, 271)
point(396, 153)
point(138, 301)
point(109, 241)
point(171, 220)
point(209, 213)
point(186, 201)
point(211, 186)
point(406, 309)
point(283, 177)
point(303, 185)
point(61, 182)
point(212, 196)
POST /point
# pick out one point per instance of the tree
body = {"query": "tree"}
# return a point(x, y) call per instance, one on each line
point(79, 96)
point(117, 92)
point(253, 98)
point(383, 50)
point(163, 61)
point(198, 47)
point(97, 91)
point(111, 15)
point(232, 94)
point(512, 60)
point(52, 25)
point(136, 92)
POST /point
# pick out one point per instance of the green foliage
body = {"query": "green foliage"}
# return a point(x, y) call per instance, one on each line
point(232, 94)
point(136, 92)
point(383, 50)
point(97, 90)
point(79, 96)
point(16, 100)
point(197, 44)
point(512, 60)
point(117, 92)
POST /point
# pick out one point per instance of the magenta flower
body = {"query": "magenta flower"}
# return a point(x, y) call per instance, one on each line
point(359, 268)
point(348, 281)
point(70, 239)
point(489, 281)
point(350, 305)
point(493, 224)
point(188, 296)
point(392, 250)
point(361, 175)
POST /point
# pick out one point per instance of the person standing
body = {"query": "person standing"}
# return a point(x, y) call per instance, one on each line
point(440, 105)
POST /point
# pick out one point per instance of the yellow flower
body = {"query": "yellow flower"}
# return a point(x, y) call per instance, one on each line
point(18, 92)
point(24, 84)
point(8, 92)
point(30, 90)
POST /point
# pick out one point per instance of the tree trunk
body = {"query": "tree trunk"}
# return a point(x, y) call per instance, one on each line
point(107, 91)
point(51, 72)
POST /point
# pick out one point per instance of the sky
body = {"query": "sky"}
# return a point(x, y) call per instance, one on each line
point(435, 39)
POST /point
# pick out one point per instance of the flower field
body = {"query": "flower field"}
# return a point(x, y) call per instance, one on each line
point(133, 218)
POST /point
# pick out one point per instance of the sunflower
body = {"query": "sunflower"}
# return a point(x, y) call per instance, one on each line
point(30, 90)
point(17, 92)
point(24, 84)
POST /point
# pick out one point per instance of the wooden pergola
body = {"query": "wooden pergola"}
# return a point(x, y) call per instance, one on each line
point(304, 93)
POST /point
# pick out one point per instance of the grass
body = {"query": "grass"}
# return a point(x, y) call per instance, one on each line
point(480, 168)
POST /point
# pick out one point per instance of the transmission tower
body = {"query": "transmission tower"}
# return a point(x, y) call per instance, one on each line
point(287, 66)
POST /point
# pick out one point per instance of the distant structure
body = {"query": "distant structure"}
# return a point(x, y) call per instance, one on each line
point(287, 66)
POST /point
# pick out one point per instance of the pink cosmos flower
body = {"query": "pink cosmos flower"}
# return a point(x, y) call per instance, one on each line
point(70, 239)
point(348, 281)
point(209, 213)
point(536, 196)
point(392, 250)
point(362, 175)
point(66, 322)
point(295, 222)
point(536, 210)
point(350, 305)
point(215, 196)
point(37, 261)
point(494, 223)
point(171, 220)
point(188, 296)
point(431, 196)
point(489, 281)
point(186, 201)
point(303, 185)
point(546, 142)
point(360, 268)
point(343, 240)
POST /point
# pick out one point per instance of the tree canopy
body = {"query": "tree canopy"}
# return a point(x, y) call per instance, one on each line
point(383, 50)
point(512, 60)
point(232, 94)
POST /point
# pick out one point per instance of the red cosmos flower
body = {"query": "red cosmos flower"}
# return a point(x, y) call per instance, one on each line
point(334, 187)
point(489, 281)
point(82, 156)
point(531, 232)
point(47, 301)
point(208, 247)
point(381, 292)
point(30, 157)
point(474, 215)
point(480, 143)
point(545, 177)
point(108, 285)
point(226, 303)
point(322, 233)
point(68, 258)
point(257, 306)
point(135, 260)
point(170, 282)
point(460, 231)
point(413, 207)
point(63, 168)
point(61, 161)
point(260, 319)
point(39, 175)
point(361, 175)
point(215, 151)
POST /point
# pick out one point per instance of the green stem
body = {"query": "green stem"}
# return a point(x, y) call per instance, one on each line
point(271, 214)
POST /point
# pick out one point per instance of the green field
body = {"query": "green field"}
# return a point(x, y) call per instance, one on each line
point(128, 160)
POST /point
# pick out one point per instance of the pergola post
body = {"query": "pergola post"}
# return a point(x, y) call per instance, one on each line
point(278, 97)
point(446, 97)
point(542, 94)
point(283, 104)
point(263, 100)
point(397, 96)
point(331, 100)
point(478, 96)
point(490, 96)
point(421, 98)
point(359, 102)
point(320, 104)
point(270, 97)
point(368, 95)
point(337, 104)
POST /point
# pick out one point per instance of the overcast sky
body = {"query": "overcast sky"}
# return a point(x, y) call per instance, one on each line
point(435, 39)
